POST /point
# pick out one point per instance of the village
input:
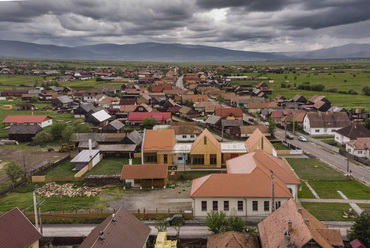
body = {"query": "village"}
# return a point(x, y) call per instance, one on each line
point(139, 151)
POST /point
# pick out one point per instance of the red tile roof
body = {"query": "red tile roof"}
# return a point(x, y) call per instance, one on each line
point(140, 116)
point(159, 140)
point(224, 112)
point(126, 232)
point(144, 171)
point(16, 230)
point(232, 239)
point(20, 119)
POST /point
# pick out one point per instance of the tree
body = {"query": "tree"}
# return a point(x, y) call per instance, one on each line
point(161, 224)
point(367, 123)
point(366, 90)
point(43, 137)
point(361, 229)
point(34, 98)
point(272, 125)
point(177, 223)
point(57, 129)
point(149, 123)
point(13, 171)
point(218, 223)
point(220, 98)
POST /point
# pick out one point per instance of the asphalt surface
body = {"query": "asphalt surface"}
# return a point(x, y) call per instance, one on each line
point(358, 171)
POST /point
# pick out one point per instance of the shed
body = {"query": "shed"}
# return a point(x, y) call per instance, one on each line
point(23, 132)
point(86, 157)
point(145, 175)
point(114, 127)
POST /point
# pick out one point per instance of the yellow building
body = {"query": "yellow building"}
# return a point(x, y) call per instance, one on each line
point(205, 151)
point(158, 146)
point(258, 141)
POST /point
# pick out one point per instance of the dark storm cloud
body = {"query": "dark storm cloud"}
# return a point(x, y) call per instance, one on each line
point(250, 5)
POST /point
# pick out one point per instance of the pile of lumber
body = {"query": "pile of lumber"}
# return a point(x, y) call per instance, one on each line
point(56, 190)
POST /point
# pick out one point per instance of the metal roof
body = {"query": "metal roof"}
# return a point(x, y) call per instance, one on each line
point(118, 148)
point(233, 147)
point(101, 115)
point(182, 148)
point(84, 156)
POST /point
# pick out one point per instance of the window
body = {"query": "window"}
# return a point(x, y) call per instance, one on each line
point(226, 205)
point(192, 136)
point(215, 205)
point(205, 140)
point(359, 152)
point(165, 158)
point(213, 159)
point(151, 158)
point(184, 136)
point(277, 204)
point(266, 206)
point(240, 205)
point(255, 205)
point(204, 205)
point(317, 130)
point(198, 159)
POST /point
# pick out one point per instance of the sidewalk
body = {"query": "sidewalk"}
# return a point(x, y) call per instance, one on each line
point(334, 200)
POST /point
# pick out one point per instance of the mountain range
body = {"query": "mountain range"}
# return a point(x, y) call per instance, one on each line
point(151, 51)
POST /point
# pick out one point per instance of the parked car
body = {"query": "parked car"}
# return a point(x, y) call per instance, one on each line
point(289, 136)
point(174, 218)
point(302, 138)
point(266, 123)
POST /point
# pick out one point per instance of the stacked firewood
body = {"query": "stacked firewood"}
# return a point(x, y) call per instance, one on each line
point(56, 190)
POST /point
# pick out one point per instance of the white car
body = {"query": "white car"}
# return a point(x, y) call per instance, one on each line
point(302, 138)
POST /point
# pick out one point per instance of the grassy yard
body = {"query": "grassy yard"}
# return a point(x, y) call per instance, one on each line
point(111, 166)
point(351, 188)
point(305, 192)
point(313, 169)
point(328, 211)
point(62, 170)
point(280, 146)
point(365, 207)
point(21, 197)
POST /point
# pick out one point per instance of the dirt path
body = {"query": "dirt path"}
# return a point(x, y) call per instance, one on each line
point(31, 158)
point(162, 199)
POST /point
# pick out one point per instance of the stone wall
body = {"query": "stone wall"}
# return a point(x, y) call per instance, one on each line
point(98, 181)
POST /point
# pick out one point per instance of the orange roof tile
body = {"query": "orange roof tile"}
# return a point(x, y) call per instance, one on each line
point(144, 171)
point(232, 239)
point(254, 138)
point(256, 184)
point(273, 228)
point(209, 136)
point(159, 140)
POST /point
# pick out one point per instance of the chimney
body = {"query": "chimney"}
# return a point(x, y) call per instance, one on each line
point(90, 148)
point(307, 221)
point(114, 219)
point(290, 225)
point(101, 235)
point(300, 210)
point(287, 240)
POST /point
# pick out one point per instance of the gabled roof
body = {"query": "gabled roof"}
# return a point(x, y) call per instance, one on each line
point(360, 143)
point(101, 115)
point(264, 105)
point(224, 112)
point(273, 228)
point(185, 128)
point(159, 140)
point(84, 156)
point(25, 129)
point(140, 116)
point(299, 98)
point(255, 184)
point(250, 129)
point(126, 232)
point(248, 162)
point(16, 230)
point(232, 239)
point(354, 131)
point(213, 119)
point(127, 101)
point(116, 124)
point(65, 99)
point(144, 171)
point(256, 136)
point(98, 137)
point(209, 136)
point(20, 119)
point(135, 137)
point(328, 119)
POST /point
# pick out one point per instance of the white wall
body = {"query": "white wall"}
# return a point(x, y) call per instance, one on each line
point(341, 139)
point(46, 123)
point(96, 159)
point(187, 137)
point(294, 189)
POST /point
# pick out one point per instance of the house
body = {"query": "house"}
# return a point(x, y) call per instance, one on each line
point(127, 102)
point(244, 101)
point(138, 117)
point(255, 107)
point(258, 141)
point(185, 131)
point(206, 108)
point(122, 229)
point(145, 175)
point(246, 195)
point(144, 98)
point(143, 108)
point(188, 112)
point(132, 138)
point(62, 102)
point(23, 132)
point(343, 135)
point(169, 103)
point(87, 158)
point(17, 231)
point(199, 98)
point(293, 226)
point(114, 127)
point(299, 98)
point(359, 147)
point(320, 103)
point(325, 123)
point(246, 163)
point(84, 110)
point(214, 121)
point(232, 239)
point(157, 146)
point(41, 120)
point(229, 113)
point(247, 131)
point(98, 119)
point(24, 107)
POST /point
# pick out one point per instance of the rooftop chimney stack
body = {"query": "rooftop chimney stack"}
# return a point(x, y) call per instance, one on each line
point(114, 219)
point(307, 221)
point(101, 235)
point(300, 210)
point(290, 225)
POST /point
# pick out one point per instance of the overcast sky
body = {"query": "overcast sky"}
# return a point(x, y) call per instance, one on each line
point(250, 25)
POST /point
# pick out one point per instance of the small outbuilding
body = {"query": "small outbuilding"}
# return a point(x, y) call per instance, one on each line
point(145, 175)
point(87, 157)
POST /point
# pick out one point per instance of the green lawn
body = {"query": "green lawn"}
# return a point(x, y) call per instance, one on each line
point(305, 192)
point(328, 211)
point(365, 207)
point(350, 188)
point(280, 146)
point(62, 170)
point(313, 169)
point(111, 166)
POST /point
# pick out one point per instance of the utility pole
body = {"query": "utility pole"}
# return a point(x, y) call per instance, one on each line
point(285, 132)
point(294, 121)
point(35, 210)
point(348, 163)
point(273, 192)
point(39, 204)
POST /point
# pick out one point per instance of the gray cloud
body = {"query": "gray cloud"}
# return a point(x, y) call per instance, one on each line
point(273, 25)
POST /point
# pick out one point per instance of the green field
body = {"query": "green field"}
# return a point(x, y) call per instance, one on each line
point(111, 166)
point(328, 211)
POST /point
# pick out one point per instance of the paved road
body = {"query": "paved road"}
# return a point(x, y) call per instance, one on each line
point(360, 172)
